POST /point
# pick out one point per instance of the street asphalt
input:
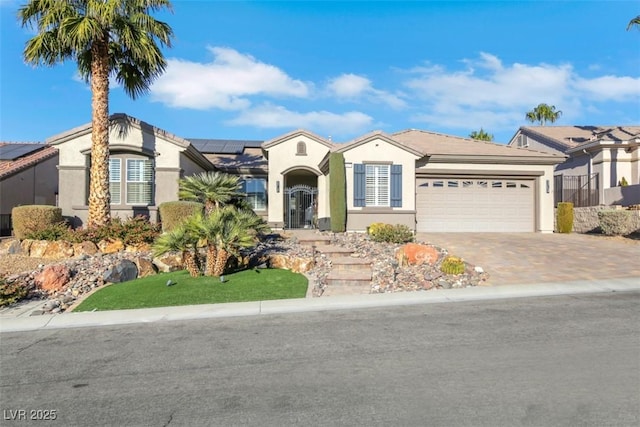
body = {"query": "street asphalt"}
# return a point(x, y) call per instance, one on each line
point(19, 319)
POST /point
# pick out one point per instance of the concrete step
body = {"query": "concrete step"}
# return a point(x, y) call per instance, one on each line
point(361, 289)
point(319, 241)
point(348, 263)
point(334, 251)
point(349, 278)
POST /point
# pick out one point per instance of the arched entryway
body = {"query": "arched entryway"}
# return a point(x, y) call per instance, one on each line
point(300, 199)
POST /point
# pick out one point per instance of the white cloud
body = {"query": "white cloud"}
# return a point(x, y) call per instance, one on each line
point(322, 122)
point(496, 96)
point(353, 87)
point(610, 87)
point(226, 83)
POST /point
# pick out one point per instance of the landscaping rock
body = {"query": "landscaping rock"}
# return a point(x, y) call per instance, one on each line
point(294, 263)
point(10, 247)
point(53, 278)
point(25, 246)
point(416, 254)
point(110, 246)
point(37, 248)
point(168, 262)
point(122, 271)
point(145, 267)
point(140, 247)
point(85, 248)
point(58, 249)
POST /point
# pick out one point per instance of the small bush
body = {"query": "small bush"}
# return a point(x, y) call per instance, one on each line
point(391, 233)
point(615, 223)
point(132, 231)
point(452, 265)
point(173, 213)
point(11, 293)
point(373, 228)
point(33, 218)
point(564, 220)
point(623, 182)
point(58, 231)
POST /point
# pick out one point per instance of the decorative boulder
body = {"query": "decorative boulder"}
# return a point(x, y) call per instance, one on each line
point(416, 254)
point(169, 262)
point(145, 267)
point(123, 271)
point(139, 247)
point(37, 248)
point(25, 246)
point(110, 246)
point(53, 278)
point(295, 264)
point(85, 248)
point(10, 246)
point(58, 249)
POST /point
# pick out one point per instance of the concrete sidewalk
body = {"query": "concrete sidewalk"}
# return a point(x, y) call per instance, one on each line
point(19, 320)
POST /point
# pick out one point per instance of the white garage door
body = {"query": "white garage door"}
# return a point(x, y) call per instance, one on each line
point(451, 204)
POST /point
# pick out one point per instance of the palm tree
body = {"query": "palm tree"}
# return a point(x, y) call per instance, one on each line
point(214, 189)
point(207, 228)
point(106, 38)
point(235, 235)
point(481, 135)
point(634, 22)
point(543, 113)
point(182, 240)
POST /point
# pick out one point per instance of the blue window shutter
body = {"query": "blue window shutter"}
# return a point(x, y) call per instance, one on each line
point(358, 185)
point(396, 186)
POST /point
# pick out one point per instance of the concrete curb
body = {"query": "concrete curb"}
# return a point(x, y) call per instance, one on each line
point(205, 311)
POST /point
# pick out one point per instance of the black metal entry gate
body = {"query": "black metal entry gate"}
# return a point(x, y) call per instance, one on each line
point(299, 206)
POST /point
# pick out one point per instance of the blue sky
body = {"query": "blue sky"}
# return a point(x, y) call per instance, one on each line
point(257, 70)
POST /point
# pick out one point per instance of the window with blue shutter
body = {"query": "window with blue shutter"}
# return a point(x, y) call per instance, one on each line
point(396, 186)
point(358, 185)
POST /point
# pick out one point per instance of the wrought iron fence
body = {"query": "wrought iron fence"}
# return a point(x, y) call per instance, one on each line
point(581, 190)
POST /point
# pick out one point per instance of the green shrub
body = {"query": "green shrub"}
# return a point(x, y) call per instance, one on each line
point(373, 228)
point(615, 222)
point(338, 193)
point(11, 292)
point(32, 218)
point(564, 217)
point(623, 182)
point(391, 233)
point(132, 231)
point(173, 213)
point(58, 231)
point(452, 265)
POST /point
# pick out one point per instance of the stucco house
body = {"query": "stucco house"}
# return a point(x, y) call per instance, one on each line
point(425, 180)
point(599, 160)
point(28, 176)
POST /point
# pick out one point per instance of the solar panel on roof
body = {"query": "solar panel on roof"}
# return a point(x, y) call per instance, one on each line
point(13, 151)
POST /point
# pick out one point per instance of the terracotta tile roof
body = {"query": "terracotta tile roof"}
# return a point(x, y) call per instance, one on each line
point(432, 143)
point(8, 168)
point(573, 136)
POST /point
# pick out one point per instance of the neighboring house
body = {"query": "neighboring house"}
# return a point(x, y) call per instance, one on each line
point(425, 180)
point(599, 159)
point(28, 176)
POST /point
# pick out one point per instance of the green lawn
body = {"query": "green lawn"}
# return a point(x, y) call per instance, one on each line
point(152, 291)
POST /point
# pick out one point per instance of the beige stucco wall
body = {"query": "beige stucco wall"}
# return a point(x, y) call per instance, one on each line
point(378, 150)
point(282, 158)
point(74, 169)
point(543, 198)
point(36, 185)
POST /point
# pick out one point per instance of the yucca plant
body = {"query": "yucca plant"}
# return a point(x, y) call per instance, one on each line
point(214, 189)
point(182, 240)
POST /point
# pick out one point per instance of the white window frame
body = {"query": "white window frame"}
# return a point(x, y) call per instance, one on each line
point(252, 201)
point(377, 185)
point(113, 183)
point(145, 176)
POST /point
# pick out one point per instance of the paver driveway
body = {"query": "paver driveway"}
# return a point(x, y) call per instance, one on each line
point(518, 258)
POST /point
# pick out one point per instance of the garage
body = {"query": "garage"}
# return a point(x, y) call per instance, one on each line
point(474, 204)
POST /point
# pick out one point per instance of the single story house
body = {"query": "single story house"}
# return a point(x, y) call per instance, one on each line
point(600, 159)
point(425, 180)
point(28, 176)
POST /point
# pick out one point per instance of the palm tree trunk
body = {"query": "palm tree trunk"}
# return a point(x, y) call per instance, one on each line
point(211, 260)
point(99, 197)
point(221, 262)
point(190, 264)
